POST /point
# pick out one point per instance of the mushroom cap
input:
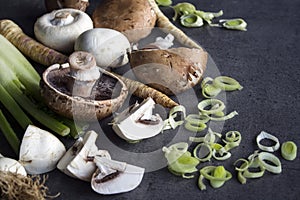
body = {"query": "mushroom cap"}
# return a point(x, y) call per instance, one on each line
point(40, 150)
point(108, 46)
point(60, 99)
point(171, 71)
point(134, 18)
point(61, 38)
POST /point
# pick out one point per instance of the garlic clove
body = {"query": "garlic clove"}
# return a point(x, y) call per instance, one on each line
point(40, 150)
point(11, 165)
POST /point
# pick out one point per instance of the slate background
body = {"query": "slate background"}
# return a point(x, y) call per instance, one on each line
point(265, 59)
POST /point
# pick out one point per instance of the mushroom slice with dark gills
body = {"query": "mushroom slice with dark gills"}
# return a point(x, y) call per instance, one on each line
point(112, 177)
point(78, 160)
point(137, 122)
point(171, 71)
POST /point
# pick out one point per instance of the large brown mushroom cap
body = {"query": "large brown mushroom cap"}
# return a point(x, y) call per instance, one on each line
point(107, 96)
point(171, 71)
point(134, 18)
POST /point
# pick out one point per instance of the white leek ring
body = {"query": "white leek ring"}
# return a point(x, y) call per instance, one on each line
point(265, 135)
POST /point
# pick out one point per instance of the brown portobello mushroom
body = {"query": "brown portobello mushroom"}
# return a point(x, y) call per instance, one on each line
point(134, 18)
point(79, 89)
point(170, 71)
point(58, 4)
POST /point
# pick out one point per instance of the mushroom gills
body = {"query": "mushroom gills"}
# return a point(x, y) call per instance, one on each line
point(77, 161)
point(137, 122)
point(114, 177)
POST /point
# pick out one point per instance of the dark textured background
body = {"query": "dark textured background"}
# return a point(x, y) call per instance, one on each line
point(265, 59)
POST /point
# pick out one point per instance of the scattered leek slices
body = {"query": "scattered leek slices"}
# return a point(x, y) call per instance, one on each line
point(289, 150)
point(208, 146)
point(164, 2)
point(264, 135)
point(261, 160)
point(236, 24)
point(212, 87)
point(180, 161)
point(170, 122)
point(216, 108)
point(217, 175)
point(191, 20)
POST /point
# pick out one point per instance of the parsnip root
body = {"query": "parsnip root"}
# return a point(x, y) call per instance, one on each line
point(28, 46)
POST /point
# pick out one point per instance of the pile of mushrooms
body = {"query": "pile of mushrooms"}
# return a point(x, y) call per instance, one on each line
point(81, 89)
point(86, 162)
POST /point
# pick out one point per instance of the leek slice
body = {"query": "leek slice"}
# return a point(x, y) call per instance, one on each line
point(265, 135)
point(180, 161)
point(217, 175)
point(289, 150)
point(227, 83)
point(170, 122)
point(164, 2)
point(215, 104)
point(191, 20)
point(208, 152)
point(266, 156)
point(236, 24)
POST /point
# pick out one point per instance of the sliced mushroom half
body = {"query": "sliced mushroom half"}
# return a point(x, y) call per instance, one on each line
point(114, 177)
point(78, 160)
point(40, 150)
point(137, 122)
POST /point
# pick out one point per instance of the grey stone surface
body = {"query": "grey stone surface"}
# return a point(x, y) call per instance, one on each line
point(265, 60)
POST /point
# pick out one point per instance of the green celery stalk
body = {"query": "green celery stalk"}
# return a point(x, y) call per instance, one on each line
point(20, 66)
point(14, 109)
point(9, 133)
point(14, 87)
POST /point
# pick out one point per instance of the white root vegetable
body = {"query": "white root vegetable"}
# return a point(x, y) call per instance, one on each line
point(109, 46)
point(40, 150)
point(60, 28)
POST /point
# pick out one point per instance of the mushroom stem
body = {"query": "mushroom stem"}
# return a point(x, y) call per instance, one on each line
point(62, 18)
point(83, 73)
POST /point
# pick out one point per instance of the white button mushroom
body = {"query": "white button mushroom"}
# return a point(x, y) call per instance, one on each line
point(60, 28)
point(109, 46)
point(114, 177)
point(40, 150)
point(137, 122)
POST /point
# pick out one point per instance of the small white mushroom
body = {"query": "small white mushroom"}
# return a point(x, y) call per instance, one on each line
point(60, 28)
point(137, 122)
point(11, 165)
point(78, 160)
point(114, 177)
point(109, 46)
point(40, 150)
